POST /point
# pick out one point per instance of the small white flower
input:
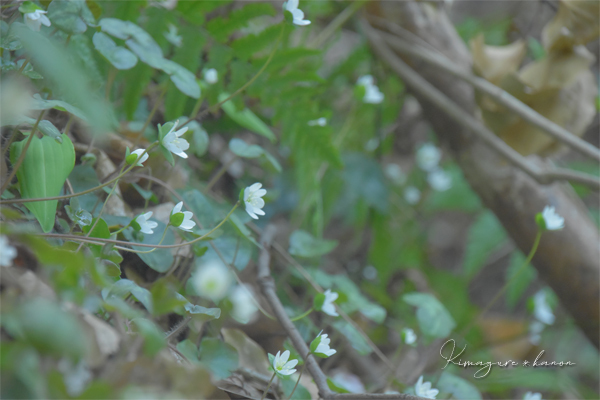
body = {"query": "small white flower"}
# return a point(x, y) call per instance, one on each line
point(282, 366)
point(532, 396)
point(412, 195)
point(439, 180)
point(212, 280)
point(394, 173)
point(253, 201)
point(423, 389)
point(187, 224)
point(139, 152)
point(172, 36)
point(34, 20)
point(409, 336)
point(535, 330)
point(323, 348)
point(146, 226)
point(552, 220)
point(211, 76)
point(319, 121)
point(7, 252)
point(541, 309)
point(244, 308)
point(328, 307)
point(372, 93)
point(174, 143)
point(292, 6)
point(428, 157)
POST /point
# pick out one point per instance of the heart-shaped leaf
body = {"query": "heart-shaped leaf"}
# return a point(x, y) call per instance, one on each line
point(45, 168)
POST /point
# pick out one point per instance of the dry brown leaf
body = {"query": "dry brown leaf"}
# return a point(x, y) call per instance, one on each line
point(507, 337)
point(495, 62)
point(576, 22)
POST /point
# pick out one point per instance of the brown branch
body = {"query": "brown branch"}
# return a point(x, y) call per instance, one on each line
point(444, 103)
point(267, 285)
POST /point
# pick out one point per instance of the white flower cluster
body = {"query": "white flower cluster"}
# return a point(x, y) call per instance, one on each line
point(542, 312)
point(423, 389)
point(428, 157)
point(372, 93)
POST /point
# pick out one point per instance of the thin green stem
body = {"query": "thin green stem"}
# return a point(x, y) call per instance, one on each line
point(120, 242)
point(101, 209)
point(24, 65)
point(244, 86)
point(304, 314)
point(151, 115)
point(22, 155)
point(301, 372)
point(154, 249)
point(268, 386)
point(534, 248)
point(68, 196)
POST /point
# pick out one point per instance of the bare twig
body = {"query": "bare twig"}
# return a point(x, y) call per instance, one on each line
point(455, 112)
point(267, 285)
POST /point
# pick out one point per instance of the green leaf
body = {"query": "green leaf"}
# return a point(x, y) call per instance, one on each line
point(123, 287)
point(194, 11)
point(48, 328)
point(196, 309)
point(71, 16)
point(199, 138)
point(118, 56)
point(288, 385)
point(458, 387)
point(78, 215)
point(8, 41)
point(41, 104)
point(303, 244)
point(28, 7)
point(485, 235)
point(183, 79)
point(434, 319)
point(44, 126)
point(45, 168)
point(221, 358)
point(154, 337)
point(246, 118)
point(245, 47)
point(159, 260)
point(245, 150)
point(65, 77)
point(221, 27)
point(189, 350)
point(354, 337)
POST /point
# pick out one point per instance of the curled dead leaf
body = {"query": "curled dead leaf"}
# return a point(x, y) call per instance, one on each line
point(495, 62)
point(576, 22)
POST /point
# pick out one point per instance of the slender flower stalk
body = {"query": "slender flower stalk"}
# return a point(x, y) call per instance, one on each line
point(268, 386)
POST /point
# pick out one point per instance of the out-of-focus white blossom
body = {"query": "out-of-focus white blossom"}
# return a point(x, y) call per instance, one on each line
point(439, 180)
point(423, 389)
point(412, 195)
point(372, 93)
point(297, 14)
point(7, 252)
point(428, 157)
point(212, 280)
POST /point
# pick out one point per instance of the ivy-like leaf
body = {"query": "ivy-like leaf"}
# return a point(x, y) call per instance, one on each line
point(434, 319)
